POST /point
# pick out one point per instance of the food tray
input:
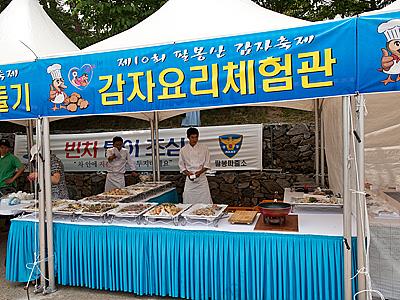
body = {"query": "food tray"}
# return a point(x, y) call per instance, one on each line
point(300, 202)
point(103, 198)
point(119, 212)
point(192, 213)
point(72, 208)
point(117, 193)
point(183, 207)
point(103, 209)
point(33, 207)
point(243, 217)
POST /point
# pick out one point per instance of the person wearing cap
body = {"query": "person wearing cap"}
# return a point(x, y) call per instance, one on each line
point(194, 161)
point(118, 159)
point(10, 168)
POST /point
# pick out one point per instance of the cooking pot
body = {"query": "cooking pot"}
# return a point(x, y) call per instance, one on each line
point(274, 209)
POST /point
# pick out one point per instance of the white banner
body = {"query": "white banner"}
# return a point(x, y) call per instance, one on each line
point(231, 147)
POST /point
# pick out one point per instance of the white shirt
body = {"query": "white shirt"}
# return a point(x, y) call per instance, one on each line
point(118, 164)
point(194, 158)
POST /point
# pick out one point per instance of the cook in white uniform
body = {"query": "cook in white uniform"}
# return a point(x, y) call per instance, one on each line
point(118, 159)
point(194, 161)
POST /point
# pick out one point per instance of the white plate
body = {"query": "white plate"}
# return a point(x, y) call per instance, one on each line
point(169, 217)
point(190, 213)
point(116, 212)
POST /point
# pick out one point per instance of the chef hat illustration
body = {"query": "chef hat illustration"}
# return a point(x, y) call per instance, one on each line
point(55, 71)
point(390, 29)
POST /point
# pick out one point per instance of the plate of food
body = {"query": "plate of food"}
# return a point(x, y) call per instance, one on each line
point(132, 210)
point(117, 193)
point(33, 207)
point(205, 211)
point(166, 211)
point(97, 209)
point(71, 208)
point(317, 201)
point(103, 198)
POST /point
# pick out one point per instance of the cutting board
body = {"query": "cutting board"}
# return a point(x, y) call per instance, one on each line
point(243, 217)
point(291, 224)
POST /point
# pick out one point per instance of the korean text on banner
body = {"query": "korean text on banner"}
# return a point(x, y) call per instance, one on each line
point(298, 63)
point(231, 148)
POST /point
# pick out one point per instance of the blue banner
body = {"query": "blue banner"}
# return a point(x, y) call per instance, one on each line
point(378, 53)
point(299, 63)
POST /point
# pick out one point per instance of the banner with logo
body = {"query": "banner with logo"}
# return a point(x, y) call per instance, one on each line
point(231, 148)
point(314, 61)
point(379, 53)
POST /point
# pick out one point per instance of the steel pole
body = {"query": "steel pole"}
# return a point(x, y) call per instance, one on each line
point(322, 155)
point(157, 146)
point(360, 207)
point(316, 113)
point(42, 213)
point(153, 154)
point(347, 207)
point(49, 205)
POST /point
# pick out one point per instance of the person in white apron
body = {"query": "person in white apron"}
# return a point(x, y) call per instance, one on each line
point(194, 161)
point(118, 159)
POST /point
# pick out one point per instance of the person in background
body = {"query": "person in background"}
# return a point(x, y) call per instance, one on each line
point(58, 183)
point(118, 158)
point(194, 161)
point(10, 168)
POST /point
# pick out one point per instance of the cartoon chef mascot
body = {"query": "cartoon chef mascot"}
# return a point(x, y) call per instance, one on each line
point(391, 54)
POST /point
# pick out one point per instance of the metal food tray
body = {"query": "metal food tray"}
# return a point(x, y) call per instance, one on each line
point(189, 214)
point(116, 212)
point(59, 211)
point(314, 204)
point(31, 210)
point(103, 199)
point(97, 214)
point(175, 218)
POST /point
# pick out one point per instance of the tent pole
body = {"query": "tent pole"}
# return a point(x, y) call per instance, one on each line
point(361, 260)
point(29, 139)
point(42, 213)
point(153, 158)
point(157, 146)
point(316, 109)
point(49, 205)
point(346, 199)
point(322, 148)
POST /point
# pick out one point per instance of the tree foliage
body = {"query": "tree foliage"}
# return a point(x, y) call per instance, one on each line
point(87, 22)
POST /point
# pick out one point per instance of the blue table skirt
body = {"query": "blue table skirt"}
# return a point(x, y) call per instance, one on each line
point(186, 264)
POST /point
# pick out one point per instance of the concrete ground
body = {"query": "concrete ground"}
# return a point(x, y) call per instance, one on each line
point(15, 291)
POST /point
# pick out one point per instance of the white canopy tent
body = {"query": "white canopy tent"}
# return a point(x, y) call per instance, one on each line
point(25, 27)
point(26, 33)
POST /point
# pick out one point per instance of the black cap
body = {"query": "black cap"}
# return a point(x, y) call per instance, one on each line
point(4, 142)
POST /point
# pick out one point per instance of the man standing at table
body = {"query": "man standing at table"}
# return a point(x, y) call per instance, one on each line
point(10, 168)
point(194, 161)
point(118, 159)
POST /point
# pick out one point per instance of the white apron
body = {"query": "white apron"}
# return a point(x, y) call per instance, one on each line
point(197, 191)
point(114, 181)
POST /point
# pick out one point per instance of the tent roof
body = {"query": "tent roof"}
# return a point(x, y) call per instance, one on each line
point(395, 6)
point(26, 22)
point(188, 20)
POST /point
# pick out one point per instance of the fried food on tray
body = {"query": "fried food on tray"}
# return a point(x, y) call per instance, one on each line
point(72, 207)
point(134, 209)
point(98, 207)
point(211, 210)
point(117, 192)
point(166, 209)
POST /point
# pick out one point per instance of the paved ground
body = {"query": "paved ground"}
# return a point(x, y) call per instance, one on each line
point(13, 291)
